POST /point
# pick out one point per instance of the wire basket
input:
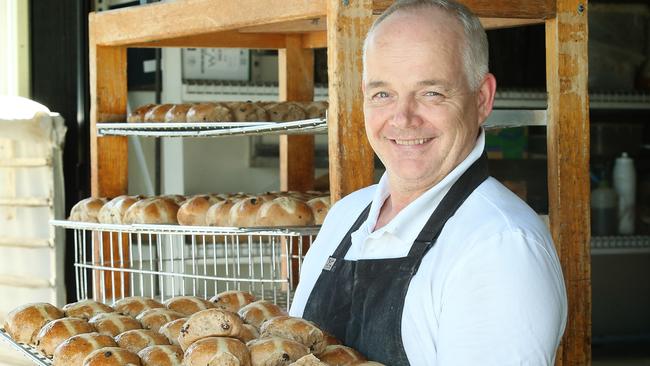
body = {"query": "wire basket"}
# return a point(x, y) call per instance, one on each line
point(162, 261)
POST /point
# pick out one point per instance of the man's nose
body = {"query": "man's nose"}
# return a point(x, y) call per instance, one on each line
point(405, 112)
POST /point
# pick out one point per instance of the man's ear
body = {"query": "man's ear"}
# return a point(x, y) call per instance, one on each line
point(485, 97)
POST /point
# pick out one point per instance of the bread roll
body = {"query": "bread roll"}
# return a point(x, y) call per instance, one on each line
point(87, 209)
point(319, 208)
point(113, 211)
point(249, 112)
point(260, 311)
point(24, 322)
point(193, 211)
point(74, 350)
point(219, 213)
point(340, 355)
point(55, 332)
point(188, 305)
point(232, 300)
point(309, 360)
point(244, 212)
point(172, 330)
point(275, 351)
point(113, 324)
point(330, 339)
point(217, 351)
point(210, 112)
point(134, 305)
point(86, 309)
point(155, 318)
point(177, 113)
point(285, 112)
point(161, 355)
point(248, 333)
point(367, 363)
point(316, 109)
point(111, 356)
point(137, 339)
point(157, 113)
point(209, 323)
point(285, 211)
point(155, 210)
point(296, 329)
point(137, 115)
point(177, 198)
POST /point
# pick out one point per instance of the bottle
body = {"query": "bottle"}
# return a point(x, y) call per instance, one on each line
point(625, 186)
point(604, 210)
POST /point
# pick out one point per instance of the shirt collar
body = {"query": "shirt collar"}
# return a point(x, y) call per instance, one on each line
point(417, 212)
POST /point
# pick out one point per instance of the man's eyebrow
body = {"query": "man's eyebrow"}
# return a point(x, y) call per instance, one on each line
point(431, 82)
point(376, 84)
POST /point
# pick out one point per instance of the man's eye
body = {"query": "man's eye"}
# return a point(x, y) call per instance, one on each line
point(431, 94)
point(380, 95)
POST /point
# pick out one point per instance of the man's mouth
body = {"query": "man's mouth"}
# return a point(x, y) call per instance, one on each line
point(411, 142)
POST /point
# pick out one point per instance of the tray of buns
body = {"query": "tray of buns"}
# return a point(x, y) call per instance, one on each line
point(30, 352)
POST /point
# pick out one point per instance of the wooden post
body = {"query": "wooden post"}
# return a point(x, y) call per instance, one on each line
point(351, 159)
point(296, 79)
point(108, 155)
point(568, 169)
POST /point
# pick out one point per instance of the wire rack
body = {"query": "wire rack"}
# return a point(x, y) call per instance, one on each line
point(210, 129)
point(162, 261)
point(26, 350)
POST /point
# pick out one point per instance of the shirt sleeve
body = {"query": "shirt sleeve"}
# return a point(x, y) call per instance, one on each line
point(504, 303)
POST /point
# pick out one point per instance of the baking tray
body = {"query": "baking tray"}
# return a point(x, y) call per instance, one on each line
point(27, 351)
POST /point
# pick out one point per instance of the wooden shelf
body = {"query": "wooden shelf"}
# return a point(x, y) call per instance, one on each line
point(295, 27)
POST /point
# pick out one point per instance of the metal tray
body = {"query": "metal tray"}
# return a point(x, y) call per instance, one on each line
point(26, 350)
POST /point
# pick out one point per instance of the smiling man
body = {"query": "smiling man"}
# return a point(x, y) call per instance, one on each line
point(438, 264)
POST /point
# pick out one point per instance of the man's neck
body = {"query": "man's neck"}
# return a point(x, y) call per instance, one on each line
point(397, 200)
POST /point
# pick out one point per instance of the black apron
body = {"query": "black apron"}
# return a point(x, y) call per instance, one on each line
point(361, 302)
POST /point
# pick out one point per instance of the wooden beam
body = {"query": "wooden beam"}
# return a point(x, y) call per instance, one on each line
point(568, 169)
point(108, 155)
point(314, 40)
point(169, 20)
point(296, 79)
point(294, 26)
point(499, 23)
point(528, 9)
point(225, 39)
point(351, 159)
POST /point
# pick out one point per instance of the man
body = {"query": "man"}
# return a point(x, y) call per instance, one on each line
point(438, 264)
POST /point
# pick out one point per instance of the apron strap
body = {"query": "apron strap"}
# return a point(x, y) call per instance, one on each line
point(342, 249)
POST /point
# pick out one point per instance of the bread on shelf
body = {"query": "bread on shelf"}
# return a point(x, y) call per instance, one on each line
point(209, 323)
point(134, 305)
point(275, 351)
point(193, 211)
point(57, 331)
point(161, 355)
point(111, 356)
point(86, 309)
point(113, 211)
point(285, 211)
point(260, 311)
point(137, 339)
point(137, 115)
point(172, 330)
point(87, 209)
point(24, 322)
point(155, 318)
point(188, 305)
point(157, 113)
point(177, 113)
point(217, 351)
point(113, 324)
point(210, 112)
point(232, 300)
point(74, 350)
point(153, 210)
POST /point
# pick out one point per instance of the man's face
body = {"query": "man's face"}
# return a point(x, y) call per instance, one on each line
point(421, 116)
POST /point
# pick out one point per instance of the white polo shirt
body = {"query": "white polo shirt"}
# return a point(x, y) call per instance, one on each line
point(490, 291)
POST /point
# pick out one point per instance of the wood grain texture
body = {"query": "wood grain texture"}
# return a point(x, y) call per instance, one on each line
point(530, 9)
point(295, 26)
point(177, 19)
point(296, 79)
point(224, 39)
point(351, 159)
point(314, 40)
point(108, 155)
point(568, 170)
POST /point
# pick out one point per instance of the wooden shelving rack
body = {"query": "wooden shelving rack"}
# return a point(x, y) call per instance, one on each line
point(295, 28)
